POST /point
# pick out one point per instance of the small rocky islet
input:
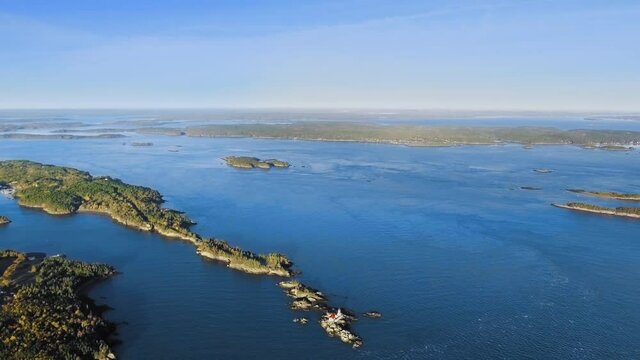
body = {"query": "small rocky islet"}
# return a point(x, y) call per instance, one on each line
point(335, 321)
point(44, 313)
point(4, 220)
point(247, 162)
point(373, 314)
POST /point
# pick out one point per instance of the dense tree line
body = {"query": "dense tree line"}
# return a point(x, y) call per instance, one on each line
point(47, 318)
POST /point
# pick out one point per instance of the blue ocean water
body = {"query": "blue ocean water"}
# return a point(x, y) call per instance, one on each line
point(460, 260)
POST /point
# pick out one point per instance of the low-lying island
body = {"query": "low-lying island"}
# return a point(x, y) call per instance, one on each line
point(630, 212)
point(247, 162)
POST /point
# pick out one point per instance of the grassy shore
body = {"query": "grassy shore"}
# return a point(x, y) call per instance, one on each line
point(60, 191)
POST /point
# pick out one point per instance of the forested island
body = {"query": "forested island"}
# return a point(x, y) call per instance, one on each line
point(631, 212)
point(44, 314)
point(421, 135)
point(608, 195)
point(63, 190)
point(247, 162)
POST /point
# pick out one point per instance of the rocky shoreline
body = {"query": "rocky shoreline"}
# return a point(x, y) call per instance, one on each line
point(335, 321)
point(64, 191)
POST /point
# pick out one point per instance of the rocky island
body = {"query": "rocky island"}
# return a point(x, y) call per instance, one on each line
point(4, 220)
point(63, 190)
point(630, 212)
point(44, 314)
point(247, 162)
point(336, 322)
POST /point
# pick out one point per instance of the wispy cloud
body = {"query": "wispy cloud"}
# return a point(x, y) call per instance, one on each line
point(484, 55)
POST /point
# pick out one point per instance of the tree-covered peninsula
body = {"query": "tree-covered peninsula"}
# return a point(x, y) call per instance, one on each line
point(44, 315)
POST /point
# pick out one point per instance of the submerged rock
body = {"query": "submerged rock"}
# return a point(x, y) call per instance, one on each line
point(543, 170)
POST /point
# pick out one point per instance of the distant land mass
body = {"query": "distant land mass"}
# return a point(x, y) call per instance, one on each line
point(26, 136)
point(420, 135)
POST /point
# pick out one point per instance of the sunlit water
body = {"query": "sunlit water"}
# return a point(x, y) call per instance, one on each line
point(460, 260)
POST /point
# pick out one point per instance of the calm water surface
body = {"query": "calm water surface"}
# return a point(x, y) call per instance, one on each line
point(460, 260)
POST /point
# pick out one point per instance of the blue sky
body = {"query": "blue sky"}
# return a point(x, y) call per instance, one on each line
point(514, 54)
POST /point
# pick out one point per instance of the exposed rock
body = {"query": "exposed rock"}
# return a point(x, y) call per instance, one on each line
point(4, 220)
point(247, 162)
point(304, 297)
point(338, 324)
point(7, 190)
point(289, 284)
point(373, 314)
point(301, 321)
